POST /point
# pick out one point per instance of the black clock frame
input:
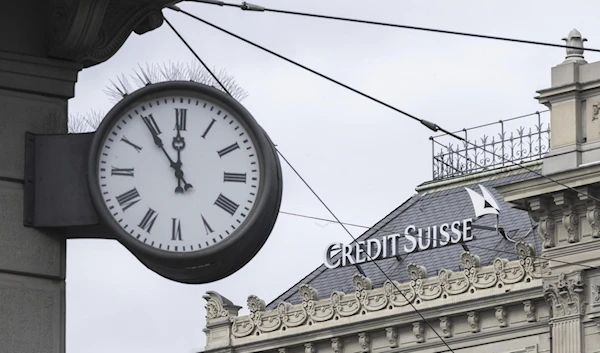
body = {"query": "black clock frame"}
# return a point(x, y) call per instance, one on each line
point(240, 246)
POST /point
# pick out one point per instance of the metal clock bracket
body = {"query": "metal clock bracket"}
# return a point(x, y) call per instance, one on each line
point(55, 187)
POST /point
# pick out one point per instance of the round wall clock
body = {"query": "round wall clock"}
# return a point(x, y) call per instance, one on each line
point(184, 177)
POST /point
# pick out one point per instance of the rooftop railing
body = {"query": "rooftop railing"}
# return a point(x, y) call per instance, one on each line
point(490, 146)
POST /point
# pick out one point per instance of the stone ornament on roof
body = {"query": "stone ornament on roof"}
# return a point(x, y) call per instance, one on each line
point(393, 297)
point(575, 55)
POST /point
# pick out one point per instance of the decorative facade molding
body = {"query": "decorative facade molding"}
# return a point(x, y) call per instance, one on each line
point(501, 316)
point(530, 310)
point(391, 333)
point(337, 345)
point(364, 340)
point(419, 332)
point(218, 306)
point(546, 230)
point(571, 223)
point(393, 295)
point(446, 326)
point(92, 31)
point(593, 217)
point(473, 321)
point(565, 294)
point(310, 348)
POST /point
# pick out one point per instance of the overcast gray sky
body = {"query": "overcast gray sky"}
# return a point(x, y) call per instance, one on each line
point(362, 158)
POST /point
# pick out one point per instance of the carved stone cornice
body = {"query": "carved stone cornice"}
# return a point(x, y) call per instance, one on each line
point(391, 333)
point(446, 326)
point(419, 332)
point(540, 208)
point(530, 309)
point(473, 321)
point(218, 306)
point(593, 217)
point(364, 341)
point(501, 316)
point(337, 345)
point(565, 294)
point(91, 31)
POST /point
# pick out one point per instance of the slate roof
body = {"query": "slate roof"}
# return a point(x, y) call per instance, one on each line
point(430, 207)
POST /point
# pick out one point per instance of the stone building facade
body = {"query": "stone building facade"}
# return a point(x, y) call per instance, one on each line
point(529, 282)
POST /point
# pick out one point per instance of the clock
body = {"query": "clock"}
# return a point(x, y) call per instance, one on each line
point(185, 178)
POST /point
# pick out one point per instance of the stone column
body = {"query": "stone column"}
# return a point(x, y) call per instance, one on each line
point(33, 97)
point(566, 296)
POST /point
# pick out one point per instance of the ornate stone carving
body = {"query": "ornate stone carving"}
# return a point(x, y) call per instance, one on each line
point(337, 344)
point(391, 333)
point(91, 31)
point(419, 332)
point(546, 230)
point(526, 255)
point(566, 294)
point(364, 340)
point(571, 223)
point(309, 296)
point(362, 285)
point(310, 348)
point(218, 306)
point(530, 309)
point(593, 217)
point(596, 294)
point(392, 296)
point(596, 110)
point(255, 304)
point(501, 316)
point(470, 263)
point(473, 321)
point(446, 326)
point(416, 274)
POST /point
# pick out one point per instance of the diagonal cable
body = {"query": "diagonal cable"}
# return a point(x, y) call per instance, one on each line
point(197, 57)
point(255, 8)
point(430, 125)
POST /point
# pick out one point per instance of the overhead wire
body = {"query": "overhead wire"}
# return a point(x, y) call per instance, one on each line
point(256, 8)
point(430, 125)
point(343, 226)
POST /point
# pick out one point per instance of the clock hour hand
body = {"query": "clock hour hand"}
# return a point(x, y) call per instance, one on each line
point(154, 130)
point(179, 144)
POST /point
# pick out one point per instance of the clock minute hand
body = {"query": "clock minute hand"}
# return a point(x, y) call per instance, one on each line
point(151, 124)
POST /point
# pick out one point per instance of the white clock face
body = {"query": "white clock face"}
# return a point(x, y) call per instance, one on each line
point(179, 173)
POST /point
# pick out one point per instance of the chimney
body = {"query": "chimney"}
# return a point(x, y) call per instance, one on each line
point(574, 103)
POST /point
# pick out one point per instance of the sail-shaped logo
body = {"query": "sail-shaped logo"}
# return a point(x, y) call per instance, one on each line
point(485, 203)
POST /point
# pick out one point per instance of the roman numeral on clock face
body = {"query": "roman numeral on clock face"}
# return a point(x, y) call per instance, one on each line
point(122, 171)
point(148, 220)
point(176, 233)
point(228, 149)
point(180, 119)
point(207, 227)
point(151, 124)
point(137, 148)
point(234, 177)
point(128, 199)
point(226, 204)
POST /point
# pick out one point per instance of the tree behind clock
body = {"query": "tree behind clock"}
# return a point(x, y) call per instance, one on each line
point(153, 73)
